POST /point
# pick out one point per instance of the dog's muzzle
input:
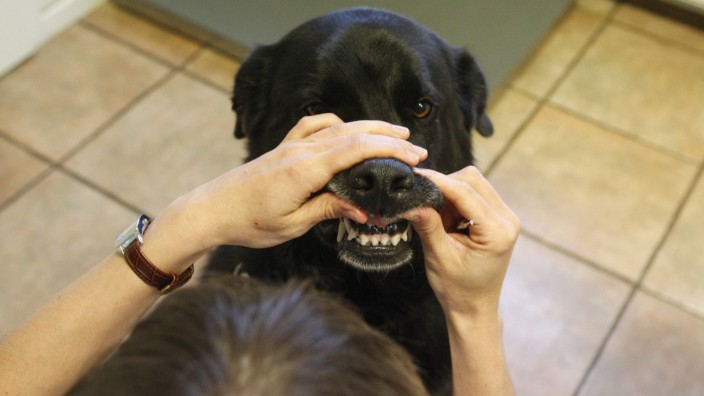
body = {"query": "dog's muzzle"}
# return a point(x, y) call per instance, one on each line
point(385, 189)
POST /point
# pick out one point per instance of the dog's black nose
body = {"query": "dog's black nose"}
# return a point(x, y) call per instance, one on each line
point(380, 182)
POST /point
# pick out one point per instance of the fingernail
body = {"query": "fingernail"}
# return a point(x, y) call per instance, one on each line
point(403, 131)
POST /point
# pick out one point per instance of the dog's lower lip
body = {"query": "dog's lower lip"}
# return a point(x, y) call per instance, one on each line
point(386, 233)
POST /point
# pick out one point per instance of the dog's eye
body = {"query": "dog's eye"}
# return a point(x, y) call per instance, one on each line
point(315, 108)
point(422, 108)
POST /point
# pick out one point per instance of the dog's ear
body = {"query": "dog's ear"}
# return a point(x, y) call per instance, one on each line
point(473, 93)
point(250, 92)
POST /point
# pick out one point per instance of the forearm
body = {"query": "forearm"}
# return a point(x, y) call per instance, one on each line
point(88, 319)
point(478, 362)
point(76, 330)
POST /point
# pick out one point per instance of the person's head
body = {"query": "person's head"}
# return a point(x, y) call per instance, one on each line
point(240, 337)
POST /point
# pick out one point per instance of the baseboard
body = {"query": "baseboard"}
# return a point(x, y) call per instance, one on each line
point(60, 14)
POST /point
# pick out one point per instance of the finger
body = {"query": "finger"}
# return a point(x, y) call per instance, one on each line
point(328, 206)
point(365, 126)
point(476, 179)
point(348, 150)
point(307, 126)
point(429, 226)
point(466, 200)
point(324, 126)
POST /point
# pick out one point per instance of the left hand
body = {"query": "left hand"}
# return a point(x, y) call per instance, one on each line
point(466, 270)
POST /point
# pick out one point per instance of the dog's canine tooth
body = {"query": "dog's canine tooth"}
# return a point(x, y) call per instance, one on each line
point(404, 235)
point(352, 234)
point(351, 231)
point(340, 231)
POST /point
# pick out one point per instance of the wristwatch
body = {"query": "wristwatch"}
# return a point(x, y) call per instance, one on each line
point(129, 243)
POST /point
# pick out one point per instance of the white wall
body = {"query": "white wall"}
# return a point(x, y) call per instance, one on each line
point(27, 24)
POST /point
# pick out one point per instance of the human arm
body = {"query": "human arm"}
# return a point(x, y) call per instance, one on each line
point(467, 271)
point(77, 329)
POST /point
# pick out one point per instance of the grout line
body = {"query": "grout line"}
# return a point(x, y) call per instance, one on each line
point(32, 182)
point(59, 165)
point(581, 259)
point(128, 44)
point(605, 342)
point(106, 193)
point(115, 117)
point(159, 83)
point(639, 283)
point(555, 85)
point(25, 147)
point(200, 79)
point(694, 51)
point(672, 302)
point(651, 145)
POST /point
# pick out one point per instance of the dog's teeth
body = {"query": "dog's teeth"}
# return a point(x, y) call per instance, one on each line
point(363, 240)
point(351, 235)
point(340, 231)
point(396, 239)
point(375, 239)
point(385, 239)
point(406, 235)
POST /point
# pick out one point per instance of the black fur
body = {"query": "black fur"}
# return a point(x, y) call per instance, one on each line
point(366, 64)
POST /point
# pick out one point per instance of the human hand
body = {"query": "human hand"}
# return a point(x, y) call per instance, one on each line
point(466, 271)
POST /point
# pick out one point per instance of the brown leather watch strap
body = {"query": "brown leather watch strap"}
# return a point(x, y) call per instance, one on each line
point(152, 275)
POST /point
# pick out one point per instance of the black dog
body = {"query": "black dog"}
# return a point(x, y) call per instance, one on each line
point(366, 64)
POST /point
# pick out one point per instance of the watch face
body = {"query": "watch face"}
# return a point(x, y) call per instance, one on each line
point(132, 233)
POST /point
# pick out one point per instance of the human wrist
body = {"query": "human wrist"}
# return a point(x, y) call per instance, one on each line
point(175, 239)
point(475, 315)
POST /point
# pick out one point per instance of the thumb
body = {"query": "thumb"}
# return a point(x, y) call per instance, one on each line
point(328, 206)
point(428, 224)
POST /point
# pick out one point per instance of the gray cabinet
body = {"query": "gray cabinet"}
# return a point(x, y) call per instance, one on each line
point(500, 33)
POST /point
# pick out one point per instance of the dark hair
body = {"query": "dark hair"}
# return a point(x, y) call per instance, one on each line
point(240, 337)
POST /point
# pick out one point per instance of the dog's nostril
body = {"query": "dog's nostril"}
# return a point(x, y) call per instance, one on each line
point(402, 182)
point(362, 181)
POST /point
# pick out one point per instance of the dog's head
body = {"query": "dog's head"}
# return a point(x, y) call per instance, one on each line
point(368, 64)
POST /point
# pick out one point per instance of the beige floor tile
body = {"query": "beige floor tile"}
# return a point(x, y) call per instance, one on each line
point(71, 87)
point(657, 350)
point(216, 68)
point(75, 228)
point(178, 137)
point(507, 114)
point(591, 191)
point(678, 271)
point(556, 313)
point(648, 88)
point(560, 48)
point(17, 168)
point(162, 43)
point(661, 26)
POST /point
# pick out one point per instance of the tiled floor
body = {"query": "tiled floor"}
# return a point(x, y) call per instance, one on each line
point(599, 148)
